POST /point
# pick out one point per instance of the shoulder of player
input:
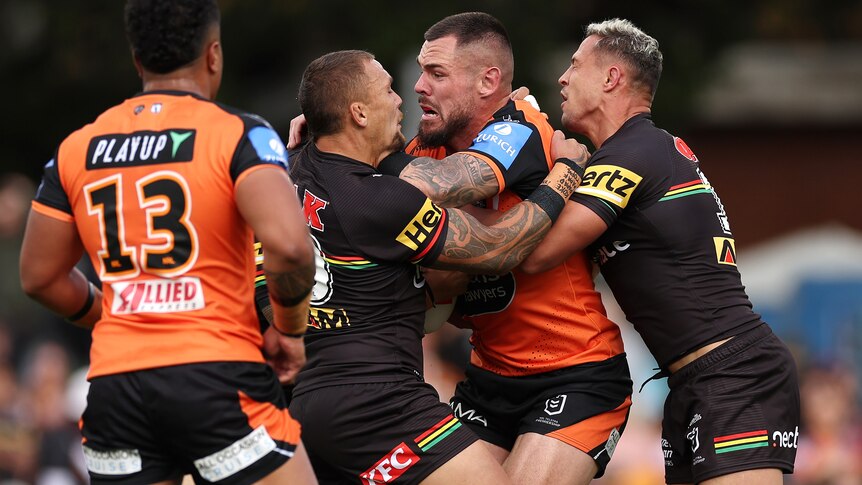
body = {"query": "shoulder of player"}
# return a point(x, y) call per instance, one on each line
point(250, 120)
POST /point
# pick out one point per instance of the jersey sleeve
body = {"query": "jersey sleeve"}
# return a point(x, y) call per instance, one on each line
point(260, 145)
point(516, 152)
point(615, 182)
point(50, 192)
point(394, 163)
point(402, 224)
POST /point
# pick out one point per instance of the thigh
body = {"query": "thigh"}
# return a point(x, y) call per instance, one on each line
point(377, 432)
point(587, 410)
point(472, 466)
point(545, 460)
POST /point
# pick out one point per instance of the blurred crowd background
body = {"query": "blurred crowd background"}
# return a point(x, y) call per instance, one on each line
point(767, 93)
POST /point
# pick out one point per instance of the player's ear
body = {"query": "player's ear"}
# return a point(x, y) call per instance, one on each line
point(489, 81)
point(359, 113)
point(214, 57)
point(613, 77)
point(138, 67)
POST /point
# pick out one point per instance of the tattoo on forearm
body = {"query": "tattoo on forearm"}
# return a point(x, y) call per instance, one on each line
point(566, 184)
point(291, 287)
point(457, 180)
point(475, 248)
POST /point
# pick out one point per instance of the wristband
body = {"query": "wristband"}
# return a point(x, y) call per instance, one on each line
point(574, 166)
point(290, 335)
point(91, 297)
point(548, 200)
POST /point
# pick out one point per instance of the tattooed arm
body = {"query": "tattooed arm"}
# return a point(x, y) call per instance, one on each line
point(473, 247)
point(289, 262)
point(454, 181)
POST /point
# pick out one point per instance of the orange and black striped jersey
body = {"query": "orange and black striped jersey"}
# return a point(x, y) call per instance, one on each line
point(528, 324)
point(150, 186)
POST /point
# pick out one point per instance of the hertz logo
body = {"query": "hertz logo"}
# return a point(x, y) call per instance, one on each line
point(421, 226)
point(725, 250)
point(611, 183)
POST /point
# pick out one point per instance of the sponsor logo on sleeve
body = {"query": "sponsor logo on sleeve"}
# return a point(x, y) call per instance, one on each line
point(725, 250)
point(112, 462)
point(391, 466)
point(502, 141)
point(683, 149)
point(421, 226)
point(141, 148)
point(610, 183)
point(267, 144)
point(158, 296)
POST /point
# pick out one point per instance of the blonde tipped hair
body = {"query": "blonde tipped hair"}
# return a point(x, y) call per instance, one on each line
point(622, 39)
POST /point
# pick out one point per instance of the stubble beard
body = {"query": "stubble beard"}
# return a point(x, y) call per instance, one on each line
point(457, 122)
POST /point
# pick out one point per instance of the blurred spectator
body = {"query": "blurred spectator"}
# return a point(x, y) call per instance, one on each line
point(830, 444)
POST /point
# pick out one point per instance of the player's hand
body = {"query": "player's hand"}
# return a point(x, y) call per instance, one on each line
point(445, 285)
point(520, 93)
point(523, 93)
point(294, 136)
point(562, 147)
point(286, 355)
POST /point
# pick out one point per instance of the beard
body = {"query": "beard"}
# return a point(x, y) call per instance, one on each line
point(398, 142)
point(455, 123)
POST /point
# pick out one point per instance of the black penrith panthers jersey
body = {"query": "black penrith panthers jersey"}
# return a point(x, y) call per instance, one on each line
point(668, 254)
point(370, 231)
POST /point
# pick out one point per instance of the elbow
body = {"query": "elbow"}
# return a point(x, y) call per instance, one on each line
point(529, 268)
point(33, 285)
point(533, 266)
point(298, 255)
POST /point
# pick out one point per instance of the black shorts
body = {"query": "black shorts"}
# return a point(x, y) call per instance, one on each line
point(586, 406)
point(377, 432)
point(735, 408)
point(219, 421)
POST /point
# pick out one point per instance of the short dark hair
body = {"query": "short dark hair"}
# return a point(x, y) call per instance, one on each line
point(470, 28)
point(166, 35)
point(329, 84)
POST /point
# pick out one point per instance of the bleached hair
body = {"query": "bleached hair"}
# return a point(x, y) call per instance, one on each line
point(620, 38)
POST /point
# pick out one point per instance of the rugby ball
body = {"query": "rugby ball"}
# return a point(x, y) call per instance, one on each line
point(437, 315)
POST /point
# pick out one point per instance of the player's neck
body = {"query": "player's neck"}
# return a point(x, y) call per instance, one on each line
point(348, 144)
point(185, 79)
point(612, 119)
point(463, 139)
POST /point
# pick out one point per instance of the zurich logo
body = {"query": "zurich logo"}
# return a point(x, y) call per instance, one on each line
point(276, 146)
point(503, 129)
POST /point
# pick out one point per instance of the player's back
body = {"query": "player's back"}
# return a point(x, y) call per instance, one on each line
point(150, 185)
